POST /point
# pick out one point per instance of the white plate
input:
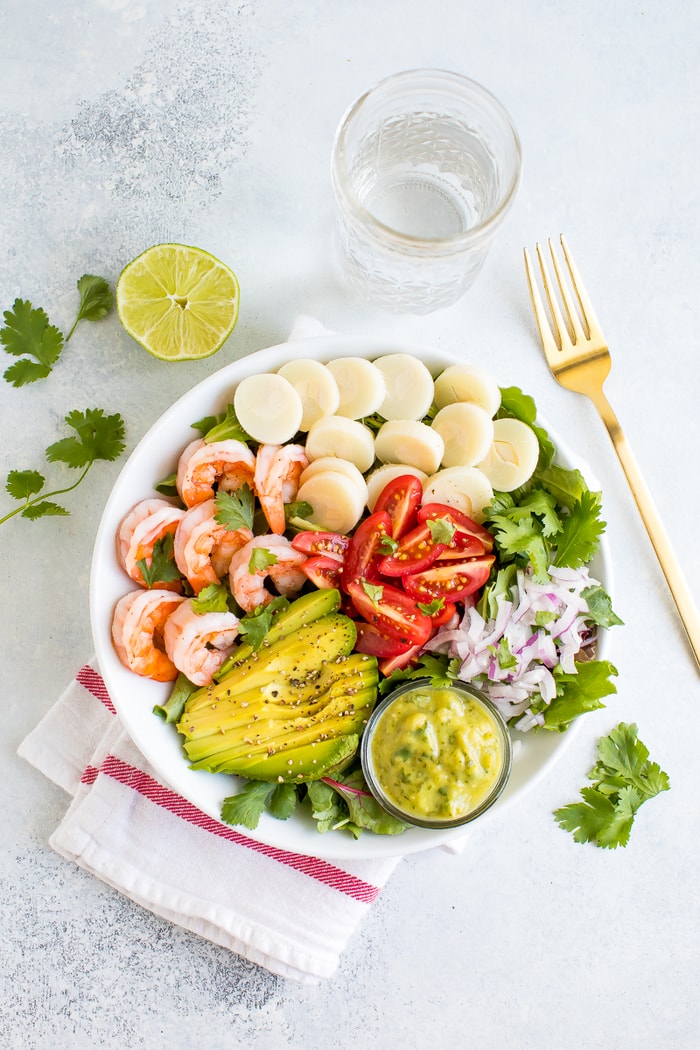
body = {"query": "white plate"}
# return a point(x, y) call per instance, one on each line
point(154, 458)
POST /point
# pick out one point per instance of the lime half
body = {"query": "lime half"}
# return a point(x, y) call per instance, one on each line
point(178, 302)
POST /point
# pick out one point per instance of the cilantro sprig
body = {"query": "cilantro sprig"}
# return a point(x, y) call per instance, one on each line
point(29, 336)
point(623, 779)
point(96, 437)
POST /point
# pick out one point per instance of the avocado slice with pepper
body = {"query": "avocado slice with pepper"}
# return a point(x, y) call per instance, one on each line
point(289, 711)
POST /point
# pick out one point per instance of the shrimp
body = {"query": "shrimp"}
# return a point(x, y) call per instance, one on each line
point(137, 632)
point(283, 570)
point(203, 547)
point(139, 531)
point(225, 464)
point(198, 643)
point(276, 480)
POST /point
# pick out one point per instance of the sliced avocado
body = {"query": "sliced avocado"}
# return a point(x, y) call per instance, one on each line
point(282, 716)
point(296, 656)
point(302, 611)
point(299, 764)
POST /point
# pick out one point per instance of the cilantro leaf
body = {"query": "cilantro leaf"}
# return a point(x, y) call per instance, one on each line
point(283, 801)
point(441, 530)
point(600, 610)
point(624, 759)
point(162, 567)
point(213, 598)
point(28, 335)
point(22, 484)
point(97, 437)
point(260, 559)
point(248, 805)
point(235, 510)
point(255, 626)
point(581, 532)
point(44, 509)
point(373, 591)
point(624, 779)
point(96, 300)
point(578, 693)
point(522, 540)
point(439, 668)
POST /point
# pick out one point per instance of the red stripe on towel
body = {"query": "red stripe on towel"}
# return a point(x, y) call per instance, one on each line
point(92, 680)
point(314, 867)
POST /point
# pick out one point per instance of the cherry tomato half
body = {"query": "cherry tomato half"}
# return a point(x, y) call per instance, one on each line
point(391, 611)
point(442, 614)
point(363, 550)
point(416, 551)
point(465, 527)
point(312, 542)
point(323, 570)
point(373, 642)
point(396, 663)
point(450, 580)
point(400, 498)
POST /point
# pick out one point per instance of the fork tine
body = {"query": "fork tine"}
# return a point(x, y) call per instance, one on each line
point(559, 323)
point(549, 343)
point(581, 293)
point(569, 305)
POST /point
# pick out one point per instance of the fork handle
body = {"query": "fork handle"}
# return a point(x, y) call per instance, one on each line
point(654, 526)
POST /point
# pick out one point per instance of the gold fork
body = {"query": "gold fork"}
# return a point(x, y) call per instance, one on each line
point(579, 359)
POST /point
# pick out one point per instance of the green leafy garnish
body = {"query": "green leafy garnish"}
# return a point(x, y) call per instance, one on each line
point(441, 530)
point(97, 436)
point(162, 568)
point(235, 510)
point(600, 610)
point(212, 598)
point(171, 710)
point(254, 799)
point(347, 803)
point(222, 427)
point(577, 693)
point(255, 625)
point(29, 336)
point(373, 591)
point(260, 559)
point(439, 668)
point(623, 779)
point(96, 300)
point(517, 405)
point(580, 532)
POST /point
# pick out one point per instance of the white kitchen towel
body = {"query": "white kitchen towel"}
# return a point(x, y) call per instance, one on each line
point(290, 913)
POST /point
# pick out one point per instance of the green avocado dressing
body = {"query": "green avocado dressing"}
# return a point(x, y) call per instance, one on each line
point(437, 753)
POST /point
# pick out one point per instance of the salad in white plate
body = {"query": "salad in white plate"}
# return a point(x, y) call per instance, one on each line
point(433, 509)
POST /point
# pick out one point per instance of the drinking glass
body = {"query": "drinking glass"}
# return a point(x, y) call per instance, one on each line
point(425, 166)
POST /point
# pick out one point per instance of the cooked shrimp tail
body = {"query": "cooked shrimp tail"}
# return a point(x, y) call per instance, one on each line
point(137, 632)
point(198, 643)
point(203, 547)
point(279, 565)
point(145, 524)
point(277, 472)
point(205, 467)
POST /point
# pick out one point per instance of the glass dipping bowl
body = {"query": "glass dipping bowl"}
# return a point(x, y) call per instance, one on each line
point(436, 756)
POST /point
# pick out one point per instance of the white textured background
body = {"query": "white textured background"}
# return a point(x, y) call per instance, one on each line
point(123, 124)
